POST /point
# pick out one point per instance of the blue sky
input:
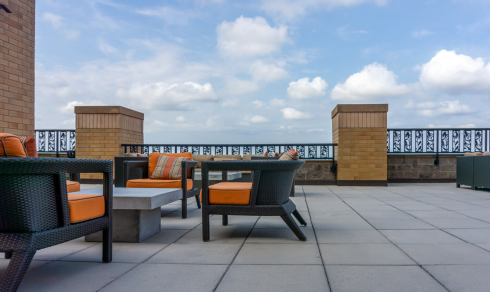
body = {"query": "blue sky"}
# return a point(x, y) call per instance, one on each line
point(222, 71)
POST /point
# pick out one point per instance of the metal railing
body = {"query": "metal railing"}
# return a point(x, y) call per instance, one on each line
point(323, 151)
point(438, 141)
point(56, 141)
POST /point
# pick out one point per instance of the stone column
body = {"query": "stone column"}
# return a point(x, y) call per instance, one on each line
point(17, 35)
point(360, 131)
point(100, 131)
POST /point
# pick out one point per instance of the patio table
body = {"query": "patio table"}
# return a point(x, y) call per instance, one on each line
point(136, 212)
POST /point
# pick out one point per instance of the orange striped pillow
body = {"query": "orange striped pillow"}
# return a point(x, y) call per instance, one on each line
point(168, 167)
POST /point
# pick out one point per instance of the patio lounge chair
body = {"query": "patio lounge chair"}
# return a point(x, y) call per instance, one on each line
point(267, 194)
point(186, 183)
point(37, 212)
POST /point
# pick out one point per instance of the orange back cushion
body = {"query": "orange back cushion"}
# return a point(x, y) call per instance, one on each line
point(12, 145)
point(152, 161)
point(30, 145)
point(168, 167)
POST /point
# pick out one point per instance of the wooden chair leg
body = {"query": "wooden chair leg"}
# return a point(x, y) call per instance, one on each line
point(198, 201)
point(293, 226)
point(16, 270)
point(225, 220)
point(107, 245)
point(299, 217)
point(205, 226)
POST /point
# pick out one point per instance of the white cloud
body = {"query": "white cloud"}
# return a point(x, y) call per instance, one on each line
point(432, 126)
point(70, 106)
point(237, 86)
point(422, 33)
point(169, 14)
point(276, 102)
point(433, 109)
point(292, 114)
point(163, 96)
point(289, 10)
point(55, 20)
point(303, 88)
point(258, 103)
point(349, 35)
point(453, 73)
point(248, 37)
point(259, 119)
point(467, 126)
point(105, 48)
point(268, 71)
point(375, 81)
point(180, 119)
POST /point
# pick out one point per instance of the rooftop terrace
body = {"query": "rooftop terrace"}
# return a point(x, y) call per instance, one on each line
point(406, 237)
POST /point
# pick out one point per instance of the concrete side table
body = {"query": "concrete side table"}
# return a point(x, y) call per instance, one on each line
point(136, 212)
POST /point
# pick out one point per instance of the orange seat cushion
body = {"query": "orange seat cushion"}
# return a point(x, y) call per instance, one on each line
point(230, 193)
point(72, 186)
point(85, 207)
point(153, 160)
point(158, 183)
point(12, 145)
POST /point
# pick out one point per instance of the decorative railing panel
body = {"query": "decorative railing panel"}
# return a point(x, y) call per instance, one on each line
point(420, 141)
point(55, 141)
point(306, 151)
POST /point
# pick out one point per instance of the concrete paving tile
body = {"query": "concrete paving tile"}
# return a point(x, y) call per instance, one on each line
point(174, 220)
point(462, 278)
point(62, 250)
point(381, 279)
point(161, 277)
point(279, 236)
point(350, 236)
point(199, 253)
point(278, 254)
point(72, 276)
point(275, 222)
point(477, 214)
point(219, 235)
point(420, 236)
point(363, 254)
point(472, 235)
point(166, 236)
point(446, 254)
point(121, 253)
point(34, 265)
point(393, 220)
point(274, 278)
point(444, 223)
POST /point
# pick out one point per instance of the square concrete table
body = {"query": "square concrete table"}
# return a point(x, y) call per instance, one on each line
point(217, 175)
point(136, 212)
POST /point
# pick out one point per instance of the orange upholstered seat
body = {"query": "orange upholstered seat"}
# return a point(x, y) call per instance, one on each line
point(230, 193)
point(85, 207)
point(72, 186)
point(157, 183)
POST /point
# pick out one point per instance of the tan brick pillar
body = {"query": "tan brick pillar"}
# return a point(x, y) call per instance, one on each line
point(17, 35)
point(100, 131)
point(360, 131)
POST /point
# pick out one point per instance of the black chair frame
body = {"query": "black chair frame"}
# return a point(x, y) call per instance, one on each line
point(194, 192)
point(34, 212)
point(271, 187)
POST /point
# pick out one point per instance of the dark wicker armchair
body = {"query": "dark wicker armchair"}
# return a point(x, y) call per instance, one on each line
point(36, 212)
point(267, 195)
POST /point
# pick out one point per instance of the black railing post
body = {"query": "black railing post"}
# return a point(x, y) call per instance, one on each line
point(436, 162)
point(333, 168)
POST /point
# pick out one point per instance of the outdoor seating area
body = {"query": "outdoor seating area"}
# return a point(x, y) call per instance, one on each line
point(405, 237)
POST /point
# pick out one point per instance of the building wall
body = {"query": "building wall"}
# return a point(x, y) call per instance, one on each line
point(17, 67)
point(421, 167)
point(315, 172)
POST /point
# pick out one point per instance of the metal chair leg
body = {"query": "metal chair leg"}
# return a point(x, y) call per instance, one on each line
point(107, 245)
point(8, 255)
point(205, 226)
point(198, 201)
point(225, 220)
point(184, 206)
point(16, 270)
point(299, 217)
point(293, 226)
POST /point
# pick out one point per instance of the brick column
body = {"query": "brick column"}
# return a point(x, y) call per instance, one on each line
point(360, 131)
point(17, 33)
point(100, 131)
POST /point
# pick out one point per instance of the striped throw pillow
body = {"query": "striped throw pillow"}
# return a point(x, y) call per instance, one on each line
point(168, 167)
point(290, 155)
